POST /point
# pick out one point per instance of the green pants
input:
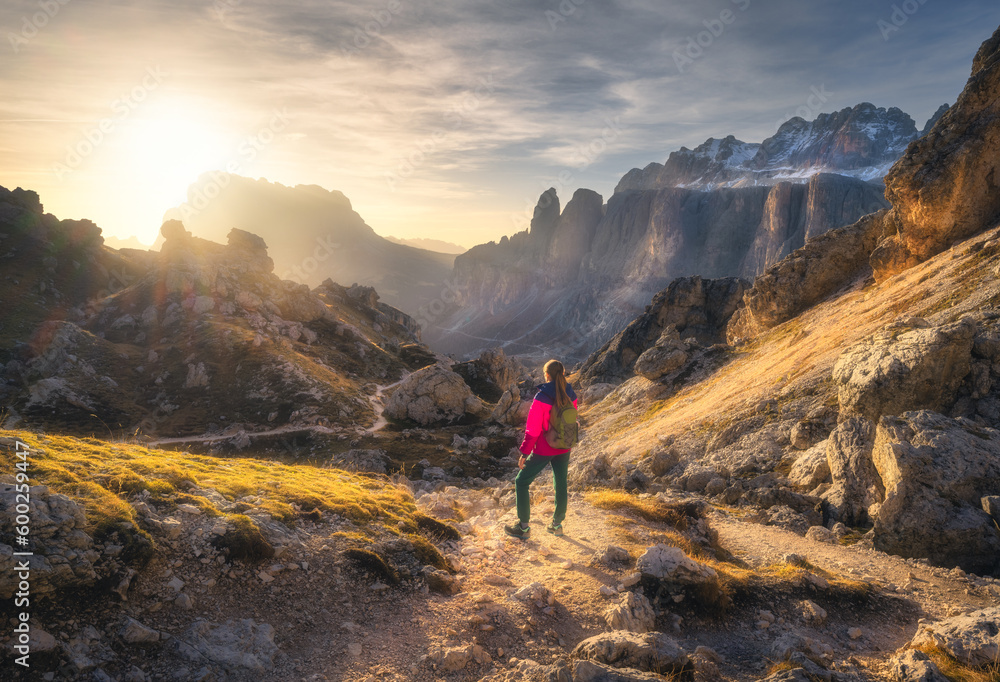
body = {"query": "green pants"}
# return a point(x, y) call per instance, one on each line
point(532, 467)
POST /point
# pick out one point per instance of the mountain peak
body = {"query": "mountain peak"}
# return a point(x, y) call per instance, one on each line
point(862, 141)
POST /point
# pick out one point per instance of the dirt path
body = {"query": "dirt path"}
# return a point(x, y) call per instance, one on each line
point(378, 405)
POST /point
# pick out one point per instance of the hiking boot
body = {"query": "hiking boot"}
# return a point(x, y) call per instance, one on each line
point(554, 528)
point(518, 531)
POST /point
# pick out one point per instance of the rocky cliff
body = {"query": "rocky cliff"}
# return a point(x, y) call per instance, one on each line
point(200, 337)
point(314, 234)
point(862, 142)
point(578, 275)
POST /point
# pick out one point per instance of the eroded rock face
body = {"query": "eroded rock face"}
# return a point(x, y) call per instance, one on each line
point(691, 307)
point(434, 395)
point(973, 639)
point(936, 471)
point(856, 483)
point(491, 374)
point(63, 557)
point(806, 276)
point(945, 188)
point(901, 369)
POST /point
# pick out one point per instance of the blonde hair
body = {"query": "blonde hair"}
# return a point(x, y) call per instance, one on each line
point(557, 373)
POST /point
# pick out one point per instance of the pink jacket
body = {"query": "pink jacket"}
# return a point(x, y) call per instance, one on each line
point(538, 423)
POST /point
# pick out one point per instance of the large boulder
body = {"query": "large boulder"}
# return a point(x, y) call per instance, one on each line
point(491, 374)
point(434, 395)
point(668, 564)
point(936, 471)
point(856, 483)
point(945, 188)
point(973, 638)
point(649, 651)
point(668, 354)
point(901, 369)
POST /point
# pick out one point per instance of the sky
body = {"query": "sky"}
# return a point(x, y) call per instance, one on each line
point(437, 118)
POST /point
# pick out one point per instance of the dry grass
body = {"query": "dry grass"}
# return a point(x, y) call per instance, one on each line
point(101, 474)
point(800, 352)
point(955, 670)
point(650, 509)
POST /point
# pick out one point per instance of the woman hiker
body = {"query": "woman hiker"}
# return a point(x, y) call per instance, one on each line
point(536, 452)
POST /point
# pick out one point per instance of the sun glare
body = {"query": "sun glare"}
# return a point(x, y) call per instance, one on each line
point(163, 151)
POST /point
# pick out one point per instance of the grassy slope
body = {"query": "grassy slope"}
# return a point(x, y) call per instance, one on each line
point(796, 359)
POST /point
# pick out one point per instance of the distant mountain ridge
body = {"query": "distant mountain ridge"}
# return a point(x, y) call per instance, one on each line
point(725, 209)
point(313, 234)
point(862, 142)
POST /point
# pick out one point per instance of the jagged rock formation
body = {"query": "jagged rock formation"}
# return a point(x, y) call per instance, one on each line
point(862, 142)
point(576, 277)
point(314, 234)
point(945, 188)
point(942, 190)
point(199, 337)
point(690, 307)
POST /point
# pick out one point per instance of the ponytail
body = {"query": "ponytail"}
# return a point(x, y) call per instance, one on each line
point(555, 369)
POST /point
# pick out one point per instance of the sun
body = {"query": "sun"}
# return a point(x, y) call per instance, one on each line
point(160, 150)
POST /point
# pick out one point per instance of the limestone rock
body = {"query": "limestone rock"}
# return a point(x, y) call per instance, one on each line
point(508, 409)
point(671, 565)
point(491, 374)
point(434, 395)
point(63, 556)
point(632, 612)
point(652, 651)
point(856, 483)
point(589, 671)
point(811, 468)
point(973, 639)
point(233, 645)
point(936, 471)
point(689, 307)
point(821, 534)
point(902, 369)
point(805, 277)
point(944, 188)
point(134, 632)
point(912, 665)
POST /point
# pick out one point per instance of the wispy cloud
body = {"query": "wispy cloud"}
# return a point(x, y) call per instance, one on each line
point(480, 104)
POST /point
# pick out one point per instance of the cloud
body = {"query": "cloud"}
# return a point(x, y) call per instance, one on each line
point(415, 102)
